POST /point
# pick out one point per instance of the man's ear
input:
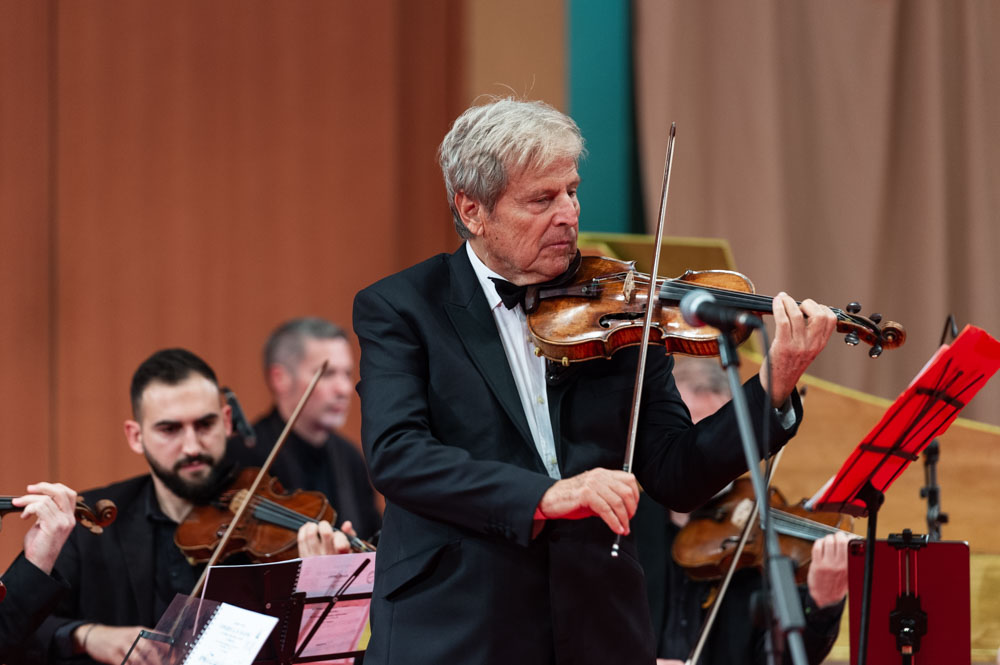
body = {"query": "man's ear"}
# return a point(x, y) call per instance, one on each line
point(133, 434)
point(471, 212)
point(279, 379)
point(227, 419)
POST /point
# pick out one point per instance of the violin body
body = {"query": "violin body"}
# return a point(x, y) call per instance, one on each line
point(705, 546)
point(602, 308)
point(269, 529)
point(605, 313)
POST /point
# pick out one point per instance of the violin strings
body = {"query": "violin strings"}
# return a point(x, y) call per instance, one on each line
point(802, 527)
point(275, 513)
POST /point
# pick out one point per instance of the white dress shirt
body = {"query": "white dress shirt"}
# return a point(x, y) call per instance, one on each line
point(527, 369)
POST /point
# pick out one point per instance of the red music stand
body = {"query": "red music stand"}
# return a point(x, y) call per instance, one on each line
point(920, 599)
point(926, 408)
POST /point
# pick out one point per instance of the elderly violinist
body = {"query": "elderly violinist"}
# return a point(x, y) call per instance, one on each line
point(124, 579)
point(501, 473)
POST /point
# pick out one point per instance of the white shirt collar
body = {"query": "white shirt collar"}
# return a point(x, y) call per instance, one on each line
point(483, 273)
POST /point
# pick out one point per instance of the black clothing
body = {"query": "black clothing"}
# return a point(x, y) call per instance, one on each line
point(459, 578)
point(31, 596)
point(113, 577)
point(336, 469)
point(675, 602)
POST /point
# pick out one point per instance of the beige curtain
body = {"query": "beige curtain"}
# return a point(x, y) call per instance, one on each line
point(848, 150)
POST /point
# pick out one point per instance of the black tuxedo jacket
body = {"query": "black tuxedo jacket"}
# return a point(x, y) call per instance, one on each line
point(459, 577)
point(31, 596)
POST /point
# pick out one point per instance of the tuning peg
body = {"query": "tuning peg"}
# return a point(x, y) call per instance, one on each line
point(853, 307)
point(876, 318)
point(875, 351)
point(852, 338)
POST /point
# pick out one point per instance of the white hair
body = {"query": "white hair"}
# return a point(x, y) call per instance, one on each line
point(488, 144)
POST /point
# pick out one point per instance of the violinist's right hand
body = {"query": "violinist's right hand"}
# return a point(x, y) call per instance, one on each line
point(53, 504)
point(610, 495)
point(108, 644)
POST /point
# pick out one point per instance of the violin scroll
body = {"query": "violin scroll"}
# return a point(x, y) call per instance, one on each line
point(871, 330)
point(93, 520)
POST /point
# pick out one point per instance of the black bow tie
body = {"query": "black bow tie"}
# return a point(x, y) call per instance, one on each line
point(527, 296)
point(512, 295)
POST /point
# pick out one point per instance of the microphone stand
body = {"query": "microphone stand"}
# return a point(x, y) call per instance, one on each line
point(783, 608)
point(932, 492)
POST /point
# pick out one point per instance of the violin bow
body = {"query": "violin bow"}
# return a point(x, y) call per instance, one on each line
point(651, 300)
point(252, 490)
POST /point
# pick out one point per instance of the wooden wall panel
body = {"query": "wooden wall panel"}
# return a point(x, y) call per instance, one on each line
point(223, 166)
point(25, 317)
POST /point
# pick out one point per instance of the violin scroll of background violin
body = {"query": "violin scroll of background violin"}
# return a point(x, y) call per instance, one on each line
point(601, 310)
point(93, 520)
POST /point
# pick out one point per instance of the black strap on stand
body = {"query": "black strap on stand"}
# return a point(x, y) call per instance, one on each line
point(785, 619)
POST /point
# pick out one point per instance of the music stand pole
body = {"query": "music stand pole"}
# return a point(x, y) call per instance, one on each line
point(873, 500)
point(778, 577)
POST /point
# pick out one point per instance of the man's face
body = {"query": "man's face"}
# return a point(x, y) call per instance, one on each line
point(530, 236)
point(182, 432)
point(328, 406)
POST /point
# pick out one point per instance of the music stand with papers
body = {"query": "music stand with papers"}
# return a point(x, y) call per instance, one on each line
point(925, 410)
point(321, 604)
point(194, 631)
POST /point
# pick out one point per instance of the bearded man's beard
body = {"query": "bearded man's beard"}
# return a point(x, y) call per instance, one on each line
point(199, 491)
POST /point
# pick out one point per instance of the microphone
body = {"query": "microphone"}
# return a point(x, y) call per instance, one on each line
point(240, 422)
point(700, 308)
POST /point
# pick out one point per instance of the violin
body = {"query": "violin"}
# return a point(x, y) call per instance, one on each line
point(704, 547)
point(601, 309)
point(86, 516)
point(268, 530)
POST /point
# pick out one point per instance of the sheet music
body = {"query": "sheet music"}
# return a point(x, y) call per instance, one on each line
point(232, 637)
point(323, 575)
point(345, 629)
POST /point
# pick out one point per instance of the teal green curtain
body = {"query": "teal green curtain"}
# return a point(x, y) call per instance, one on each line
point(601, 101)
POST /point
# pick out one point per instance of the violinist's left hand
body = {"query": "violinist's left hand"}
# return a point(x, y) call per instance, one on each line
point(800, 333)
point(53, 504)
point(321, 538)
point(827, 578)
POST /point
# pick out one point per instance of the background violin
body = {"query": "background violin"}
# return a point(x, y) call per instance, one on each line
point(601, 310)
point(87, 517)
point(268, 531)
point(704, 547)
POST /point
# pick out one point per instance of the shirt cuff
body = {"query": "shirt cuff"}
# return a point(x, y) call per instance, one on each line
point(786, 414)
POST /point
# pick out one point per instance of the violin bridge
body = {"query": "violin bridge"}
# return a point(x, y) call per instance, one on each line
point(628, 287)
point(741, 513)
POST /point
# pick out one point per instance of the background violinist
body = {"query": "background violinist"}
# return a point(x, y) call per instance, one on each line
point(677, 602)
point(315, 456)
point(503, 494)
point(31, 589)
point(124, 579)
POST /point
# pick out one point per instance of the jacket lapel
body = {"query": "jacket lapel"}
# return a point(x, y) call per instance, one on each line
point(473, 321)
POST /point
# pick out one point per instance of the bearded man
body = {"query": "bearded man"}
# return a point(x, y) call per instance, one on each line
point(124, 579)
